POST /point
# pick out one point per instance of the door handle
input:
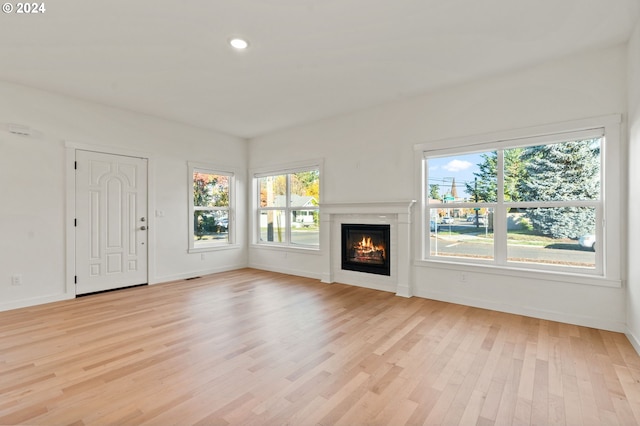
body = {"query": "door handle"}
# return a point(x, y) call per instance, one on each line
point(143, 228)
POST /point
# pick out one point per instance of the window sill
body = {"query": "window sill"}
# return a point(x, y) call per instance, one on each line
point(213, 248)
point(582, 279)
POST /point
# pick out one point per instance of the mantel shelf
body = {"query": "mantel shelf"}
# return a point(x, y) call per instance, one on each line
point(385, 207)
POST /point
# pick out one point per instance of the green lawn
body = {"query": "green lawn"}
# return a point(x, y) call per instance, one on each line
point(520, 236)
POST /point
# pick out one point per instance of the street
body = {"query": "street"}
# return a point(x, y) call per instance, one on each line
point(444, 243)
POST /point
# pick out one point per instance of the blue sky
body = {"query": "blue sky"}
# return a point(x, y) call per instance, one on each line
point(461, 167)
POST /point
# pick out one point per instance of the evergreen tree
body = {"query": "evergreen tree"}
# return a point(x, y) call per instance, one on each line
point(514, 172)
point(567, 171)
point(485, 186)
point(434, 191)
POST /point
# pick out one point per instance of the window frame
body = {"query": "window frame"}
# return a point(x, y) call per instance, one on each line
point(206, 246)
point(287, 170)
point(608, 264)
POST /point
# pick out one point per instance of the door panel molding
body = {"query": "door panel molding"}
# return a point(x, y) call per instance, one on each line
point(70, 216)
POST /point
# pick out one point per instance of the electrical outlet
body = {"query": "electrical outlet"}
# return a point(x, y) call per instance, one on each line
point(202, 256)
point(463, 277)
point(16, 279)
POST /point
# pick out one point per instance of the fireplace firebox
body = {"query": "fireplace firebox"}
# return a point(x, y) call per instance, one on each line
point(365, 248)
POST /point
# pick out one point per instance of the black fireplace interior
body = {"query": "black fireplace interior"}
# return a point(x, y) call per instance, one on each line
point(365, 248)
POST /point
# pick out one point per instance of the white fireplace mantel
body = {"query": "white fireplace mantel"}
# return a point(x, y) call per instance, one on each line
point(395, 213)
point(385, 207)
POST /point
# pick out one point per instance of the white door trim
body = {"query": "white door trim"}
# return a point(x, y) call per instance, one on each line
point(70, 184)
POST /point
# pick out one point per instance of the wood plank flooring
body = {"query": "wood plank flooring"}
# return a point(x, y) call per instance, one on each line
point(258, 348)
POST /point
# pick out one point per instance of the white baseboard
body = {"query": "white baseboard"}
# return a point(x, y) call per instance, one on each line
point(599, 323)
point(288, 271)
point(25, 303)
point(192, 274)
point(633, 340)
point(404, 290)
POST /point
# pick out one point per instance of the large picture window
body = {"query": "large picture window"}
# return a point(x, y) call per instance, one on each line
point(288, 208)
point(210, 217)
point(532, 203)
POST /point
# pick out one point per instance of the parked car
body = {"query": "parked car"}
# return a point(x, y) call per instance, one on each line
point(481, 219)
point(447, 220)
point(433, 225)
point(588, 241)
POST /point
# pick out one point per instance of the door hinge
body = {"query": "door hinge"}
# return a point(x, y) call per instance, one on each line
point(75, 165)
point(75, 279)
point(75, 222)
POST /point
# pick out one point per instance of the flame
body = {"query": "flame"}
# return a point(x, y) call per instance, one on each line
point(366, 243)
point(367, 246)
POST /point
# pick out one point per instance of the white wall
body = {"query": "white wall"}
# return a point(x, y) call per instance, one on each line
point(376, 146)
point(633, 283)
point(33, 190)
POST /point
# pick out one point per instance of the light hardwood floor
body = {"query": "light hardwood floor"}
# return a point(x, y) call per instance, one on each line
point(260, 348)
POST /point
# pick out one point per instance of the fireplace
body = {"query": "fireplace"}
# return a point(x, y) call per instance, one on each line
point(365, 248)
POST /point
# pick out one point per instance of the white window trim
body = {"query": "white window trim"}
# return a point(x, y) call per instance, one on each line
point(613, 188)
point(287, 168)
point(214, 245)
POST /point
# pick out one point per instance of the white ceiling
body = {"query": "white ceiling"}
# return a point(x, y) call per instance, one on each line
point(308, 59)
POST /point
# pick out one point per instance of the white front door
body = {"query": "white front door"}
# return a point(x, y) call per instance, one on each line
point(111, 221)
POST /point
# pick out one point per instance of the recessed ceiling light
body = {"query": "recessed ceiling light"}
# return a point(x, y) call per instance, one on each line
point(238, 43)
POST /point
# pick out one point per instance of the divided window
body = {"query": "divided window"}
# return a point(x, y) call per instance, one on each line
point(529, 203)
point(211, 213)
point(288, 208)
